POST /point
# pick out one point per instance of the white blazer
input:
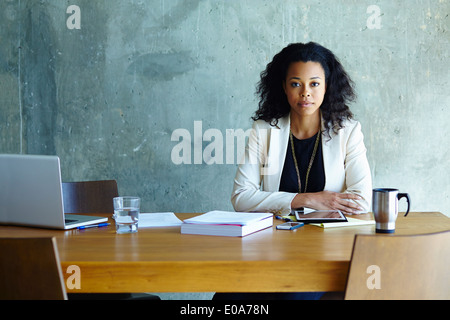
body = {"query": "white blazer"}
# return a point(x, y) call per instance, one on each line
point(258, 175)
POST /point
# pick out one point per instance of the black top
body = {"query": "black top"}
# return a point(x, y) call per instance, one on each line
point(303, 151)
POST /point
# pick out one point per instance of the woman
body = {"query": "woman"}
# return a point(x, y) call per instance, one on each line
point(304, 150)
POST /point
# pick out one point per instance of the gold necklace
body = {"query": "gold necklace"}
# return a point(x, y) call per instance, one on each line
point(310, 161)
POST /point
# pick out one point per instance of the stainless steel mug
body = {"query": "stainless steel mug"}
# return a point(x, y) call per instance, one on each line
point(385, 208)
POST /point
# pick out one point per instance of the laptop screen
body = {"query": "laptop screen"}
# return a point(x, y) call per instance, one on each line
point(30, 191)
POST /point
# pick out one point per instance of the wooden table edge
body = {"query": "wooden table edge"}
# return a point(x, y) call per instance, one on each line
point(207, 276)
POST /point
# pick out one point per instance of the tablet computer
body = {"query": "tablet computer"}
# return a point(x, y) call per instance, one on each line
point(319, 216)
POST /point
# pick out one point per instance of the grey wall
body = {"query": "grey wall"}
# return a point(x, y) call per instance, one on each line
point(107, 97)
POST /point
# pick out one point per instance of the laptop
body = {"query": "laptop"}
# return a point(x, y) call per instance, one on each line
point(31, 194)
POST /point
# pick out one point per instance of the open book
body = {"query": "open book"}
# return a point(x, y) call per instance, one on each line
point(226, 223)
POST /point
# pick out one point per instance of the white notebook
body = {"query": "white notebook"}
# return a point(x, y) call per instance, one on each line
point(158, 219)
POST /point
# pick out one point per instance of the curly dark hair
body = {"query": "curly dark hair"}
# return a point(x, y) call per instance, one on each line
point(273, 103)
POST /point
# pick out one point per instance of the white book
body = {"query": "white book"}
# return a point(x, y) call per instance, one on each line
point(225, 223)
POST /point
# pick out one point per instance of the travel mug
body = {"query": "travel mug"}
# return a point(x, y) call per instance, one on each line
point(385, 208)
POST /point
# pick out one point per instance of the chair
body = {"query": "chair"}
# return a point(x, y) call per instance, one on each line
point(89, 196)
point(30, 270)
point(400, 267)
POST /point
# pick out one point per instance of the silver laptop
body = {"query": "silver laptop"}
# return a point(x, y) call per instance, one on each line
point(31, 194)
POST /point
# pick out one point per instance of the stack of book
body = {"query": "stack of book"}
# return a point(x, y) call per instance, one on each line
point(225, 223)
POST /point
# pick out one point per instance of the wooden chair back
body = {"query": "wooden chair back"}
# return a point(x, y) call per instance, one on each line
point(30, 270)
point(400, 267)
point(89, 196)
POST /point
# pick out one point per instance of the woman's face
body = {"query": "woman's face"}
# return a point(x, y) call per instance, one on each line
point(305, 87)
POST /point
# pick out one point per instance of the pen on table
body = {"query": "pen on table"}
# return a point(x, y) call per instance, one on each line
point(94, 225)
point(281, 218)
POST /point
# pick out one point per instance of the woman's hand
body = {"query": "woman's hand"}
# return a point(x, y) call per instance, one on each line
point(328, 200)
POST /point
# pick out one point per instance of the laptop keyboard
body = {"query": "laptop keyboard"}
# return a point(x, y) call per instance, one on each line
point(69, 220)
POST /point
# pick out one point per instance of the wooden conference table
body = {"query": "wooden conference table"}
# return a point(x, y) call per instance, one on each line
point(164, 260)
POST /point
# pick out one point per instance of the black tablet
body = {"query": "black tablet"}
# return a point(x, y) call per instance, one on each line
point(319, 216)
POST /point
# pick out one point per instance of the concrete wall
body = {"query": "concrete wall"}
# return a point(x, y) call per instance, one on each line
point(110, 97)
